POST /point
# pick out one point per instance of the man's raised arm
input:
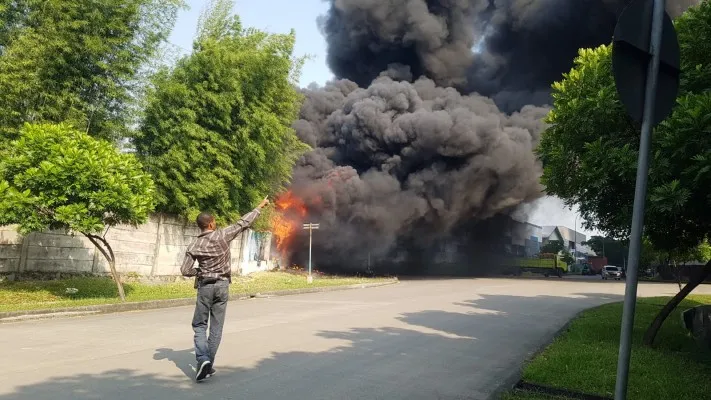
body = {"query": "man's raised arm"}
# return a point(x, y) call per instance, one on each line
point(244, 222)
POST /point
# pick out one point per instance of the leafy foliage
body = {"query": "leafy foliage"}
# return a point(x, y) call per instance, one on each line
point(568, 258)
point(553, 247)
point(264, 222)
point(590, 150)
point(698, 254)
point(614, 250)
point(693, 30)
point(77, 61)
point(701, 252)
point(217, 132)
point(59, 178)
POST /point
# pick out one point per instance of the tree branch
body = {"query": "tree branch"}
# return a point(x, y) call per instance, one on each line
point(95, 240)
point(673, 303)
point(108, 253)
point(106, 243)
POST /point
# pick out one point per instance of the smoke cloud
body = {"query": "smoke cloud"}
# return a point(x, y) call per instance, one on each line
point(398, 155)
point(526, 44)
point(433, 38)
point(510, 50)
point(429, 132)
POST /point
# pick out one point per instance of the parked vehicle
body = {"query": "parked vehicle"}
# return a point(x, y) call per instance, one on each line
point(596, 264)
point(545, 263)
point(612, 272)
point(587, 270)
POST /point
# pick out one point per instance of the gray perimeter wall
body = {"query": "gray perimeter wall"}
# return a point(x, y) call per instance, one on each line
point(155, 248)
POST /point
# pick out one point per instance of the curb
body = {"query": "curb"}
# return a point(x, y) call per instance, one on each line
point(32, 315)
point(511, 382)
point(557, 392)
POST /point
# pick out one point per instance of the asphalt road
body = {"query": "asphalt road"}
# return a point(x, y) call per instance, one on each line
point(436, 339)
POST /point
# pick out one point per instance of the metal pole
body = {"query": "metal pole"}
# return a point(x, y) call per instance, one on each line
point(575, 253)
point(640, 194)
point(310, 230)
point(575, 233)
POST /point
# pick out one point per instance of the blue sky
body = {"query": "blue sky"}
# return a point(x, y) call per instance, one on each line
point(277, 16)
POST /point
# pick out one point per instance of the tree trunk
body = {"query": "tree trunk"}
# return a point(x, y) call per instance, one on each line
point(108, 253)
point(673, 303)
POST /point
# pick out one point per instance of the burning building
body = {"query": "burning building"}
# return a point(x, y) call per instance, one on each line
point(427, 137)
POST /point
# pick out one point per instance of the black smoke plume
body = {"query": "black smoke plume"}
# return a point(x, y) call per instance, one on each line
point(408, 153)
point(400, 160)
point(519, 46)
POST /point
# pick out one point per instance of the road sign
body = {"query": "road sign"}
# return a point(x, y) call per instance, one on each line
point(631, 53)
point(645, 61)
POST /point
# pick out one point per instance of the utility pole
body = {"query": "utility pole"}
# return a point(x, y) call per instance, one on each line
point(575, 237)
point(310, 227)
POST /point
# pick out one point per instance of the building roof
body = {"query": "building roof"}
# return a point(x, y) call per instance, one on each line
point(546, 231)
point(566, 233)
point(518, 221)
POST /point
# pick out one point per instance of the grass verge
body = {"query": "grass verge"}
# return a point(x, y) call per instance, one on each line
point(516, 395)
point(35, 295)
point(584, 358)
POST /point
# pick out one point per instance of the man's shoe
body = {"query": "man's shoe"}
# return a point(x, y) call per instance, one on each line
point(203, 371)
point(212, 371)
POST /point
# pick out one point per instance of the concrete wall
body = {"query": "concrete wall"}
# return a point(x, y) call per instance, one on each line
point(10, 249)
point(155, 248)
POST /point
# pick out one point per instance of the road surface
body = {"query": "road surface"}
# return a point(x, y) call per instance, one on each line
point(434, 339)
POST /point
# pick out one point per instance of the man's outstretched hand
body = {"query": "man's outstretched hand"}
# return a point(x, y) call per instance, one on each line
point(264, 203)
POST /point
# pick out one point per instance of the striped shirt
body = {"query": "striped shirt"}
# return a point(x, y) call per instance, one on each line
point(211, 249)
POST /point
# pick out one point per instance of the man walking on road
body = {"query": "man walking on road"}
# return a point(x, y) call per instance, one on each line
point(211, 249)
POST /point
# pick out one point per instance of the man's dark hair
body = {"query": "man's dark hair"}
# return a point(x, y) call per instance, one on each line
point(203, 220)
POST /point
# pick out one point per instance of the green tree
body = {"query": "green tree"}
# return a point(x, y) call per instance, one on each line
point(77, 61)
point(568, 258)
point(701, 253)
point(552, 246)
point(590, 150)
point(217, 131)
point(673, 260)
point(614, 250)
point(59, 178)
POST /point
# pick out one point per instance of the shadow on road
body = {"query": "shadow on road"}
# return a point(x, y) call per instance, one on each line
point(464, 352)
point(184, 360)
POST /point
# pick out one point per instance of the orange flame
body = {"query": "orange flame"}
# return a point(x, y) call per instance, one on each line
point(290, 211)
point(288, 201)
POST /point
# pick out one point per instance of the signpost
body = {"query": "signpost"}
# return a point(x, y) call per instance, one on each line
point(645, 61)
point(310, 227)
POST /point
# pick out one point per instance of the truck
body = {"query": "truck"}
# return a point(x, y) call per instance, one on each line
point(545, 263)
point(596, 264)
